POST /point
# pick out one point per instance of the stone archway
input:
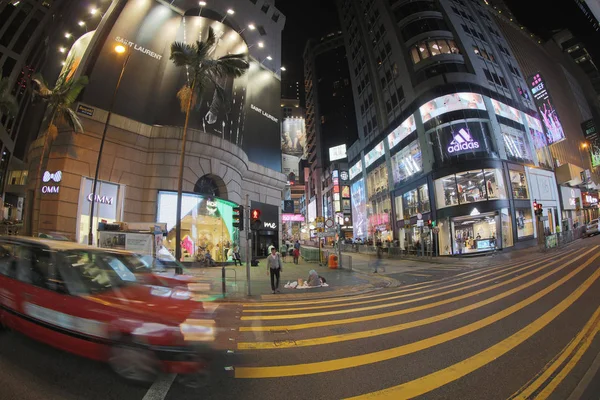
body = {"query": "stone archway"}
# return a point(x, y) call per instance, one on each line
point(212, 186)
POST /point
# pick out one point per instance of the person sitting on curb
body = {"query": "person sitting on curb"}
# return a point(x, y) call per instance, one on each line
point(313, 279)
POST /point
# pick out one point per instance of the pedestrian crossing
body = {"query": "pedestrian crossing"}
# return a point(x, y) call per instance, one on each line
point(512, 303)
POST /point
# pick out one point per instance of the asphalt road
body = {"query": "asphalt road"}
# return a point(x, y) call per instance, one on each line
point(523, 329)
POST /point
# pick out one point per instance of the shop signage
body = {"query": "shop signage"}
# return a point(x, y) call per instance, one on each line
point(292, 217)
point(85, 110)
point(50, 177)
point(270, 225)
point(589, 199)
point(101, 199)
point(474, 212)
point(344, 175)
point(211, 206)
point(463, 141)
point(137, 47)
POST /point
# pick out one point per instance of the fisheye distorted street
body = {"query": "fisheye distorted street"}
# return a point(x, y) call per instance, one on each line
point(318, 199)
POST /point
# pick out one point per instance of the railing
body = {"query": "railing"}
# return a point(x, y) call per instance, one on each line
point(562, 238)
point(390, 252)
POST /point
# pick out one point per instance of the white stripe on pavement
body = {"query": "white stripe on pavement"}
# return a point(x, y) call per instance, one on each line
point(160, 387)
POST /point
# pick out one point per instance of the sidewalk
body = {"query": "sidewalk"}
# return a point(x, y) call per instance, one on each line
point(341, 282)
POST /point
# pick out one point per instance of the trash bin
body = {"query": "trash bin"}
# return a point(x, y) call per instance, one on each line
point(333, 261)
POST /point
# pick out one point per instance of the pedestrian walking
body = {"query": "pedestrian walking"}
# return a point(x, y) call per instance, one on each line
point(296, 255)
point(378, 260)
point(274, 269)
point(283, 251)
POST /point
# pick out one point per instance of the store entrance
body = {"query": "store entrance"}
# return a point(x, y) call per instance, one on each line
point(473, 234)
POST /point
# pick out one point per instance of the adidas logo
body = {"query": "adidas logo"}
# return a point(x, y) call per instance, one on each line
point(462, 141)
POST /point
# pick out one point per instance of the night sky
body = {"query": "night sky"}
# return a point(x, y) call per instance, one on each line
point(315, 18)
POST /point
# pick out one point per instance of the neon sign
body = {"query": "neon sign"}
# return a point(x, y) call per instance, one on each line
point(50, 177)
point(463, 141)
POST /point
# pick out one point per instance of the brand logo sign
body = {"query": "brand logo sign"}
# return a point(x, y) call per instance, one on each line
point(50, 177)
point(101, 199)
point(270, 225)
point(463, 141)
point(137, 47)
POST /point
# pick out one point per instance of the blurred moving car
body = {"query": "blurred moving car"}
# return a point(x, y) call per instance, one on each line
point(592, 228)
point(87, 301)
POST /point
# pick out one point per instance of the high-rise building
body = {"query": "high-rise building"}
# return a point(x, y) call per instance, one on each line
point(591, 9)
point(234, 139)
point(451, 129)
point(577, 50)
point(330, 115)
point(26, 30)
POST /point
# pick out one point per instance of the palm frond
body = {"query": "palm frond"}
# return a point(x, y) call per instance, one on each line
point(41, 87)
point(182, 54)
point(233, 65)
point(74, 88)
point(73, 120)
point(8, 102)
point(212, 38)
point(184, 95)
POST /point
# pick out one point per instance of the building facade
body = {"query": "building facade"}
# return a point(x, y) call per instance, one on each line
point(233, 147)
point(449, 129)
point(330, 118)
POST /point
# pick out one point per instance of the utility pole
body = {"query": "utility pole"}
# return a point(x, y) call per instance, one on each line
point(248, 243)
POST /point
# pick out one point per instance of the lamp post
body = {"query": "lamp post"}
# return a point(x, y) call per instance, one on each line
point(119, 49)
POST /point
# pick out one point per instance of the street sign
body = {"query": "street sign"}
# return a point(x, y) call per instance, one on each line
point(436, 230)
point(544, 218)
point(420, 222)
point(329, 223)
point(326, 234)
point(406, 222)
point(419, 216)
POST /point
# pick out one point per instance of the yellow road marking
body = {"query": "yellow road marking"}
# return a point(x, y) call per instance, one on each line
point(442, 377)
point(447, 375)
point(406, 288)
point(579, 345)
point(385, 315)
point(399, 327)
point(398, 303)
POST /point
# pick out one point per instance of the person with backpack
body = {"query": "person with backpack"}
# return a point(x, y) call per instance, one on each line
point(283, 251)
point(274, 269)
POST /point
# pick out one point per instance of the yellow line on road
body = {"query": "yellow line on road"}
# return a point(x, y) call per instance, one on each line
point(454, 372)
point(415, 286)
point(384, 315)
point(398, 303)
point(578, 345)
point(399, 327)
point(447, 375)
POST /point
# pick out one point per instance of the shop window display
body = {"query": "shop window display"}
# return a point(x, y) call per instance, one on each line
point(470, 187)
point(518, 182)
point(424, 205)
point(515, 144)
point(524, 222)
point(206, 225)
point(410, 202)
point(474, 234)
point(377, 181)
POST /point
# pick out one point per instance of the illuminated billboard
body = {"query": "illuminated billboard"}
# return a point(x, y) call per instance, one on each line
point(543, 102)
point(337, 152)
point(451, 102)
point(405, 129)
point(244, 111)
point(374, 154)
point(293, 137)
point(359, 209)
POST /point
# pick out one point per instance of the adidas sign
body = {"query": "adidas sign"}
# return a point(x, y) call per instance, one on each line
point(462, 141)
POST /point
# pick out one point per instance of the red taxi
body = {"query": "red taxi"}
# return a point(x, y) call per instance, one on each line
point(87, 301)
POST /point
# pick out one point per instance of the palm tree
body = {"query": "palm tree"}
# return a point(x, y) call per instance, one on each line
point(8, 102)
point(59, 101)
point(203, 71)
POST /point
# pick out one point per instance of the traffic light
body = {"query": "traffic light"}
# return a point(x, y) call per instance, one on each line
point(428, 223)
point(238, 217)
point(538, 208)
point(255, 223)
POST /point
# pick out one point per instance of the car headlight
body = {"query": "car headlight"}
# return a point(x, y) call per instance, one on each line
point(198, 330)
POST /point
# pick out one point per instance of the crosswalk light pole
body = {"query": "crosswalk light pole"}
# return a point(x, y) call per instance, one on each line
point(248, 244)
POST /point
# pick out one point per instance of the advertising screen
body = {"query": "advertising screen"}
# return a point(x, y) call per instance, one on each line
point(590, 132)
point(505, 111)
point(243, 110)
point(337, 152)
point(407, 162)
point(405, 129)
point(451, 102)
point(355, 169)
point(312, 210)
point(545, 106)
point(374, 154)
point(458, 139)
point(359, 208)
point(293, 137)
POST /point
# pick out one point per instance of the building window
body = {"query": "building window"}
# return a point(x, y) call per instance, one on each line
point(518, 182)
point(432, 48)
point(407, 162)
point(470, 187)
point(524, 222)
point(275, 17)
point(424, 204)
point(515, 144)
point(265, 8)
point(410, 204)
point(423, 25)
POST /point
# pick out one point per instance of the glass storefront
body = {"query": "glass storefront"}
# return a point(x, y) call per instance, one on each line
point(524, 222)
point(377, 181)
point(518, 182)
point(206, 225)
point(108, 207)
point(470, 187)
point(472, 234)
point(515, 144)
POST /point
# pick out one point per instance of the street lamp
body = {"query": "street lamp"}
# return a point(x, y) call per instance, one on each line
point(68, 35)
point(283, 68)
point(93, 10)
point(119, 49)
point(202, 4)
point(229, 12)
point(82, 24)
point(267, 58)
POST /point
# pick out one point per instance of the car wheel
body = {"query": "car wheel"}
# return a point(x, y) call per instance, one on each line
point(133, 363)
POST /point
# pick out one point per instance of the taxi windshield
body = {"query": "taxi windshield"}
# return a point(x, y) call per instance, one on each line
point(94, 271)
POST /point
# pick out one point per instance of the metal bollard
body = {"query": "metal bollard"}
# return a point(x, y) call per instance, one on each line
point(223, 283)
